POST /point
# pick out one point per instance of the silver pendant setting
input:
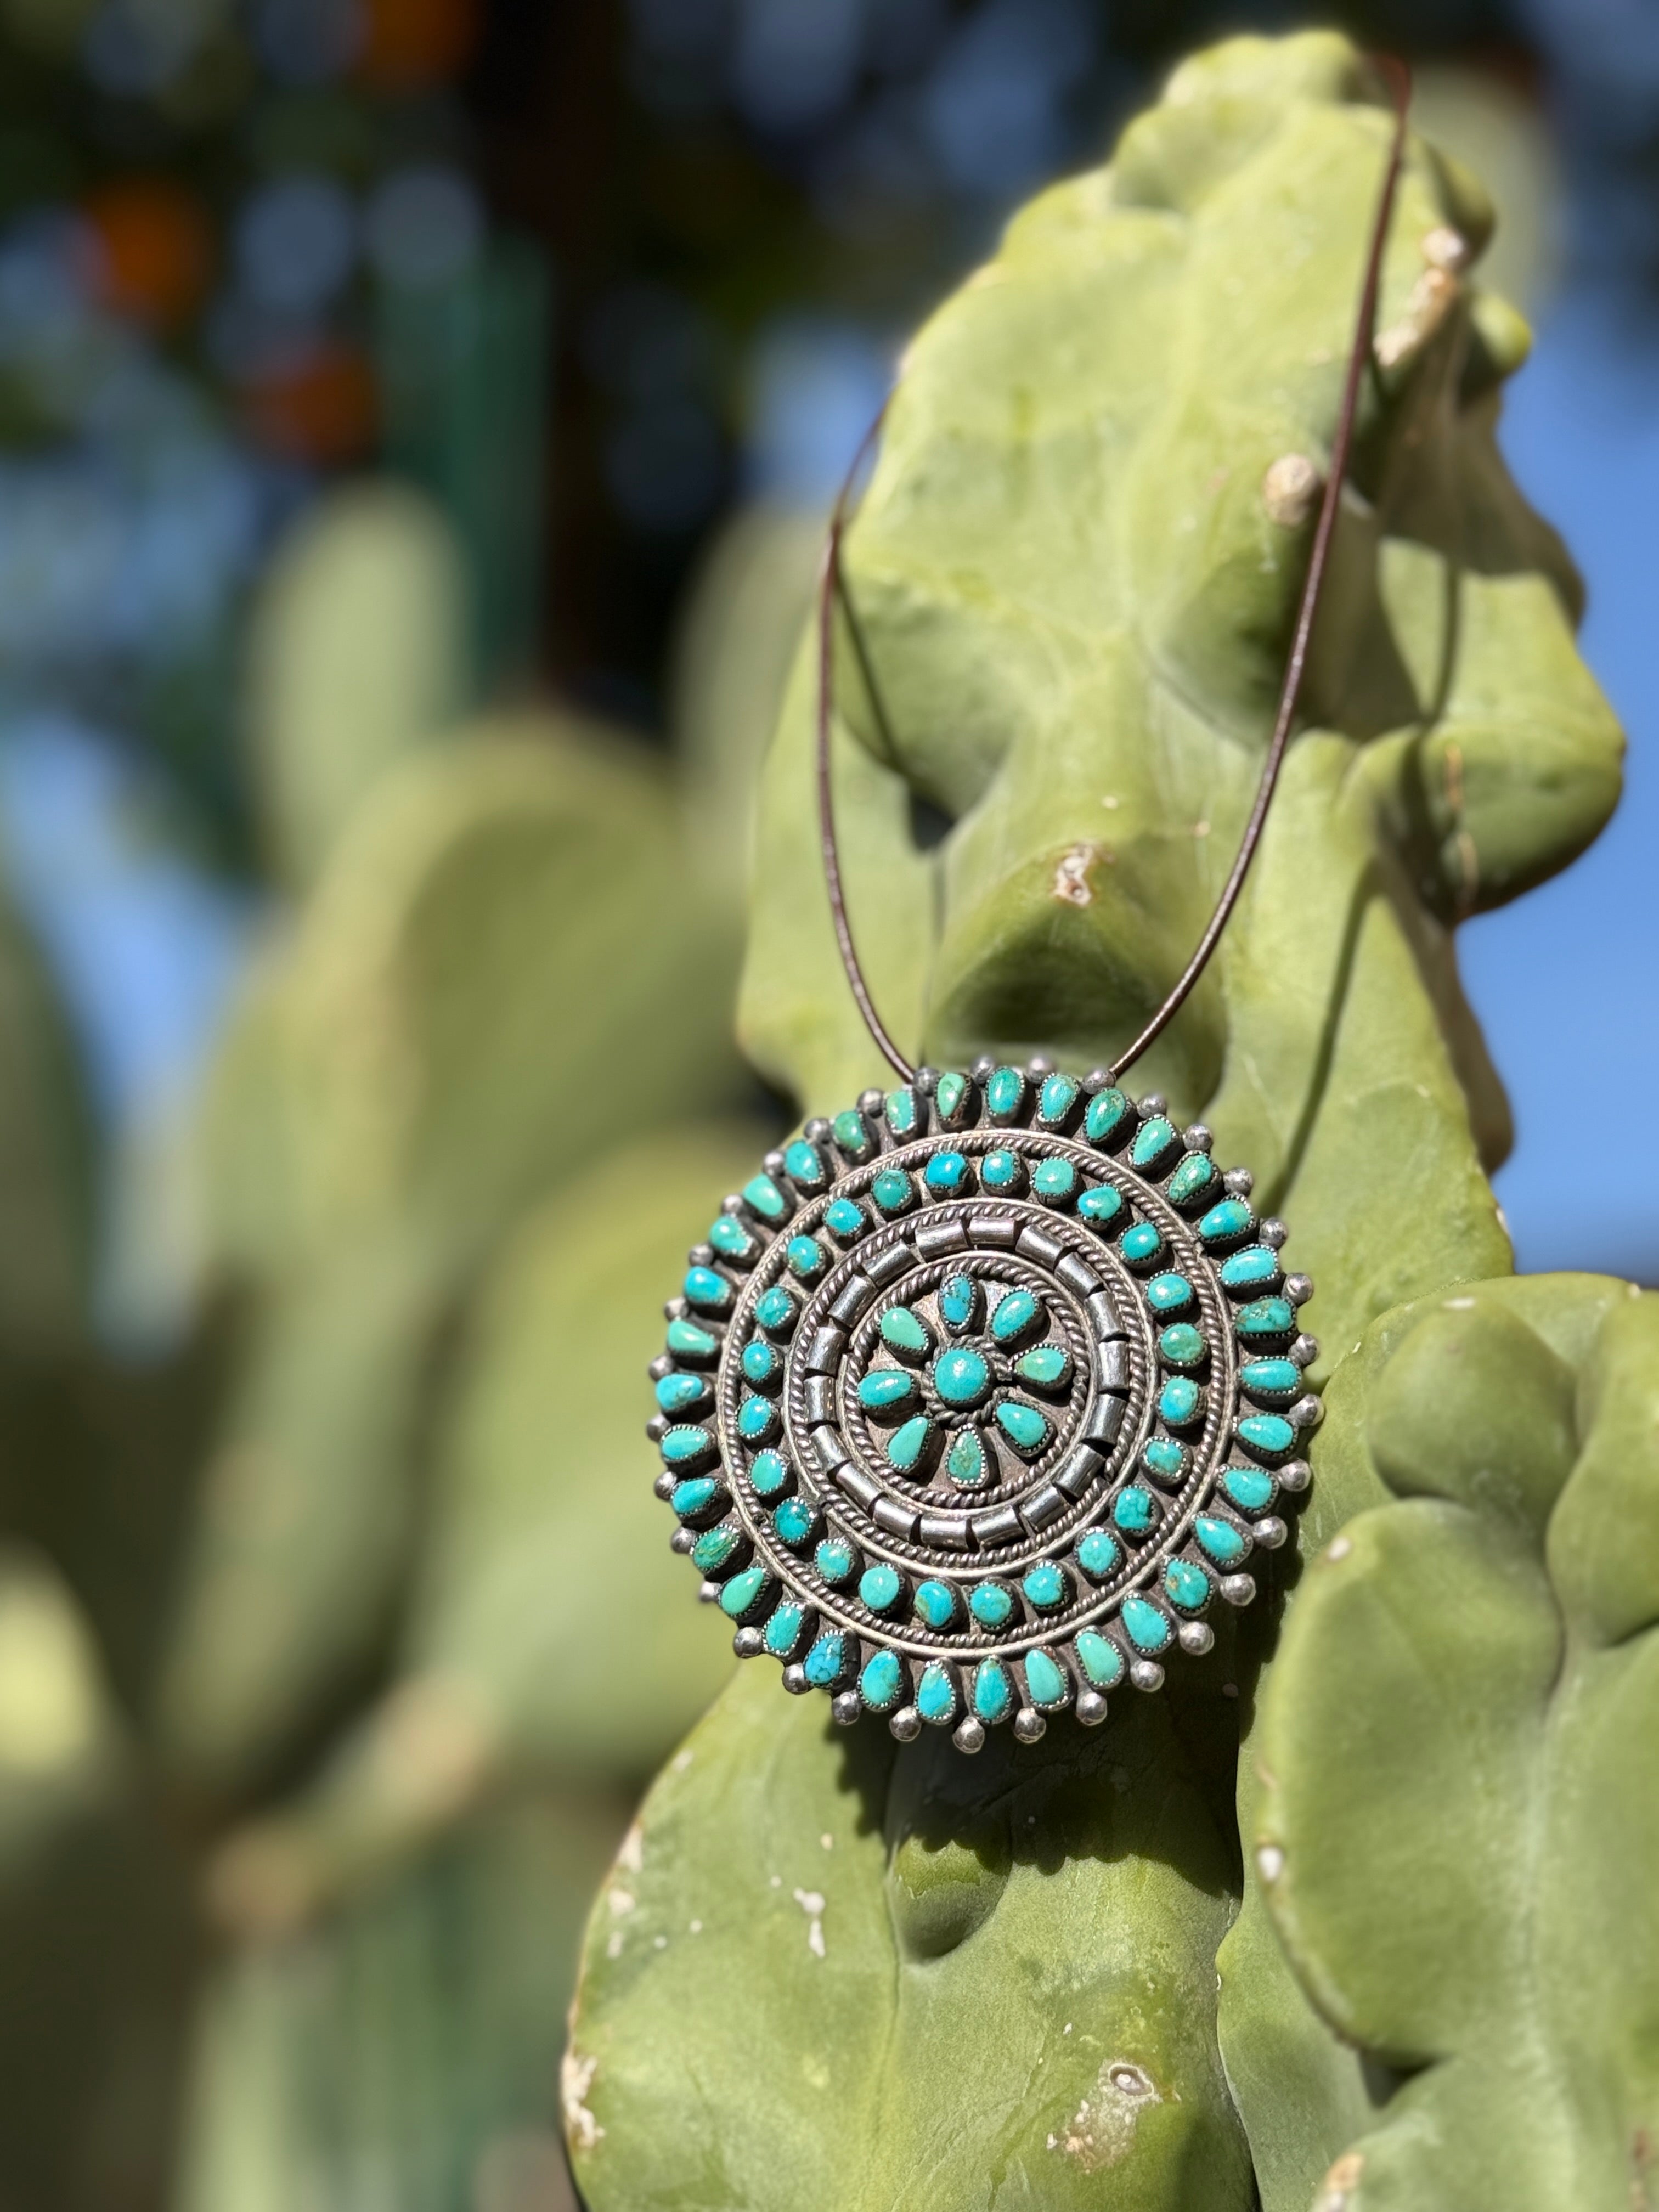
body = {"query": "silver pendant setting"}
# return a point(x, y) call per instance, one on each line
point(979, 1398)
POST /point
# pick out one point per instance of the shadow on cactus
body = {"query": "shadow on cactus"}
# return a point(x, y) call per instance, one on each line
point(887, 1977)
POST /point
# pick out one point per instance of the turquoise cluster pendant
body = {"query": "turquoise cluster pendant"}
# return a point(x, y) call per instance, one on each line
point(980, 1396)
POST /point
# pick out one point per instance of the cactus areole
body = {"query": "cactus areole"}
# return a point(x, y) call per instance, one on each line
point(981, 1394)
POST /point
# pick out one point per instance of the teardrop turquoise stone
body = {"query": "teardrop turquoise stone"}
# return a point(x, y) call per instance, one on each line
point(1026, 1429)
point(767, 1200)
point(757, 1420)
point(1269, 1434)
point(908, 1445)
point(687, 1341)
point(731, 1239)
point(784, 1630)
point(1154, 1141)
point(1100, 1659)
point(993, 1692)
point(1046, 1682)
point(1014, 1315)
point(698, 1494)
point(1193, 1176)
point(1004, 1090)
point(1219, 1538)
point(936, 1694)
point(826, 1662)
point(684, 1446)
point(851, 1134)
point(959, 1302)
point(949, 1093)
point(884, 1388)
point(1228, 1218)
point(804, 1164)
point(902, 1111)
point(1250, 1490)
point(902, 1331)
point(1256, 1266)
point(935, 1602)
point(965, 1463)
point(1107, 1118)
point(703, 1287)
point(711, 1551)
point(1048, 1366)
point(744, 1592)
point(1055, 1100)
point(769, 1473)
point(881, 1683)
point(1188, 1586)
point(1271, 1379)
point(676, 1394)
point(1266, 1317)
point(1148, 1629)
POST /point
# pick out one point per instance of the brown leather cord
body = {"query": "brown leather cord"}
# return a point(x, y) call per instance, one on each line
point(831, 586)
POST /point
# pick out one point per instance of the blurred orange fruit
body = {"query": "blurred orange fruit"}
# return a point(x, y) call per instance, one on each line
point(416, 42)
point(154, 249)
point(318, 406)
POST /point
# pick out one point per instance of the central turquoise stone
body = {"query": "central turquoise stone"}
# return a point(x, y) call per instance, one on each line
point(962, 1377)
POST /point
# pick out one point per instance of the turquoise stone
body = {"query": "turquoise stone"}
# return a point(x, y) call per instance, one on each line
point(1098, 1554)
point(851, 1134)
point(796, 1521)
point(892, 1190)
point(731, 1239)
point(935, 1602)
point(1046, 1682)
point(1014, 1315)
point(993, 1692)
point(711, 1550)
point(1220, 1540)
point(1270, 1436)
point(678, 1394)
point(1255, 1268)
point(826, 1662)
point(945, 1174)
point(1266, 1317)
point(836, 1559)
point(908, 1446)
point(965, 1462)
point(1005, 1088)
point(1026, 1429)
point(1136, 1511)
point(991, 1605)
point(1108, 1117)
point(1163, 1459)
point(684, 1446)
point(881, 1683)
point(769, 1473)
point(804, 1165)
point(936, 1694)
point(1148, 1629)
point(744, 1592)
point(1048, 1367)
point(1100, 1205)
point(1168, 1294)
point(1194, 1177)
point(1250, 1490)
point(767, 1200)
point(1054, 1181)
point(1154, 1141)
point(775, 1311)
point(1055, 1100)
point(1271, 1379)
point(949, 1093)
point(884, 1388)
point(843, 1219)
point(807, 1256)
point(1180, 1402)
point(1186, 1585)
point(704, 1287)
point(960, 1376)
point(763, 1364)
point(784, 1630)
point(1003, 1171)
point(1182, 1346)
point(1099, 1658)
point(698, 1494)
point(959, 1302)
point(906, 1333)
point(1045, 1586)
point(757, 1420)
point(1225, 1221)
point(1141, 1245)
point(687, 1341)
point(902, 1110)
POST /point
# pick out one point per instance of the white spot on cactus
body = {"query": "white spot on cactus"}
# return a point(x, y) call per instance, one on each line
point(659, 1942)
point(812, 1903)
point(1336, 2190)
point(620, 1901)
point(828, 1842)
point(1108, 800)
point(1338, 1548)
point(694, 1927)
point(681, 1760)
point(1101, 2131)
point(1291, 490)
point(1457, 1305)
point(1269, 1861)
point(1431, 297)
point(1071, 883)
point(1446, 248)
point(613, 1949)
point(631, 1858)
point(576, 2082)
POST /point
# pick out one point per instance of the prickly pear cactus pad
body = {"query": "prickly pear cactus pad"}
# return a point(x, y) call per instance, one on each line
point(1459, 1822)
point(978, 1398)
point(1074, 572)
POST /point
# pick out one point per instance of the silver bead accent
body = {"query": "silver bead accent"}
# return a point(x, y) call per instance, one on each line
point(673, 1308)
point(1198, 1138)
point(747, 1644)
point(682, 1541)
point(773, 1163)
point(658, 1427)
point(984, 1066)
point(871, 1104)
point(702, 1255)
point(1238, 1589)
point(1270, 1533)
point(1029, 1726)
point(710, 1592)
point(1273, 1232)
point(845, 1707)
point(1196, 1636)
point(1090, 1708)
point(1097, 1078)
point(1153, 1102)
point(1037, 1067)
point(661, 1366)
point(733, 1202)
point(1298, 1289)
point(1306, 1413)
point(906, 1724)
point(1146, 1674)
point(666, 1485)
point(970, 1736)
point(928, 1081)
point(795, 1681)
point(1295, 1474)
point(1305, 1351)
point(1239, 1182)
point(817, 1130)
